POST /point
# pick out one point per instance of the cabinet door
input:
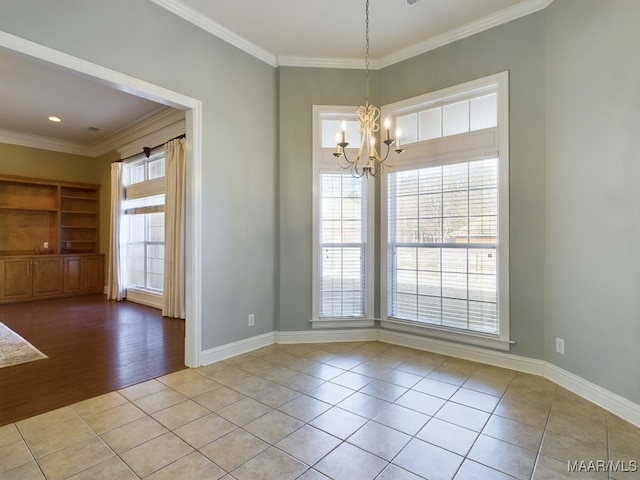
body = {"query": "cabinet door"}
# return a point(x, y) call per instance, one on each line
point(47, 276)
point(16, 279)
point(72, 278)
point(93, 273)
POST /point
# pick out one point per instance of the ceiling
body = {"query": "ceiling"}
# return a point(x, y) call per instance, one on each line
point(91, 112)
point(332, 32)
point(297, 33)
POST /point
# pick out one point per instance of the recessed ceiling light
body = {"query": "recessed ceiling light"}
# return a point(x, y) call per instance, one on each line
point(55, 119)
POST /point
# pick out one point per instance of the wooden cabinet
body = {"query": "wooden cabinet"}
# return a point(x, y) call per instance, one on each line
point(72, 277)
point(34, 211)
point(92, 273)
point(48, 276)
point(17, 279)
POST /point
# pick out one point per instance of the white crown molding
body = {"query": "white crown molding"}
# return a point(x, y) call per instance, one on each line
point(157, 128)
point(145, 133)
point(508, 14)
point(153, 139)
point(499, 18)
point(142, 126)
point(346, 63)
point(44, 143)
point(190, 15)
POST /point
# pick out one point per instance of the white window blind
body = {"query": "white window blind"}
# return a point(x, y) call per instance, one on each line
point(443, 239)
point(144, 222)
point(342, 246)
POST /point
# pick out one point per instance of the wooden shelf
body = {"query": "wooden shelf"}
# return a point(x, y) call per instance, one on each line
point(27, 208)
point(34, 211)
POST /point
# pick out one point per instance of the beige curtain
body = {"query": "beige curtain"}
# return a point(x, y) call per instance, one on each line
point(173, 304)
point(115, 278)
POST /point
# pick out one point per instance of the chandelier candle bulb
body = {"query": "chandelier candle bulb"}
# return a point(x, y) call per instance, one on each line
point(344, 131)
point(387, 124)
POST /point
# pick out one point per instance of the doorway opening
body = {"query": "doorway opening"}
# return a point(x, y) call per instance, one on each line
point(193, 113)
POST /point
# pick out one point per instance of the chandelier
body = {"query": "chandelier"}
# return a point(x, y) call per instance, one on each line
point(367, 162)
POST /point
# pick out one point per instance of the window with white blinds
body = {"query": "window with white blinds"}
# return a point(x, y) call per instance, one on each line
point(443, 238)
point(342, 246)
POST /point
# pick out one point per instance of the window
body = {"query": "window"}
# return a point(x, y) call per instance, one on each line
point(442, 245)
point(144, 223)
point(446, 216)
point(343, 256)
point(342, 246)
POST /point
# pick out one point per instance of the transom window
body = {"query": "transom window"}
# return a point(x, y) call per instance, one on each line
point(450, 118)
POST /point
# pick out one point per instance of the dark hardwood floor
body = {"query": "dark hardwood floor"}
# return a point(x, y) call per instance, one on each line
point(94, 346)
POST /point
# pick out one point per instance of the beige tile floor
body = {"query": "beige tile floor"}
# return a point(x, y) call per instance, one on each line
point(315, 411)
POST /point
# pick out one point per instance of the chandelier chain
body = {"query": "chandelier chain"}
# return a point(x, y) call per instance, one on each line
point(366, 56)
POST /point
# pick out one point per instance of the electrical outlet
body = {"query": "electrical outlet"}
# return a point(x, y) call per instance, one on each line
point(560, 345)
point(46, 245)
point(252, 319)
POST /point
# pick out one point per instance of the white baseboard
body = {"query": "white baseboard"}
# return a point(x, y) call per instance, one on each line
point(466, 352)
point(229, 350)
point(606, 399)
point(612, 402)
point(323, 336)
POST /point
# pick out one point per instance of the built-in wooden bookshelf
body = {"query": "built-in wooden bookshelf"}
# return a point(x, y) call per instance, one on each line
point(78, 219)
point(35, 211)
point(49, 234)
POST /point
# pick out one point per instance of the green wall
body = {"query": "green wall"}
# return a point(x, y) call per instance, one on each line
point(592, 261)
point(238, 94)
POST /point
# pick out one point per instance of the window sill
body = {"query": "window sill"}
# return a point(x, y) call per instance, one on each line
point(145, 297)
point(342, 323)
point(471, 338)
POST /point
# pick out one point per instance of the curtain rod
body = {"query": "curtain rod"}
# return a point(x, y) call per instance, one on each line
point(147, 150)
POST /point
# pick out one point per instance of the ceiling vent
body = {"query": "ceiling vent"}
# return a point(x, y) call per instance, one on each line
point(412, 2)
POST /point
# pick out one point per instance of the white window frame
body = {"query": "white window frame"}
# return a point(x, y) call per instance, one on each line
point(487, 143)
point(324, 162)
point(146, 188)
